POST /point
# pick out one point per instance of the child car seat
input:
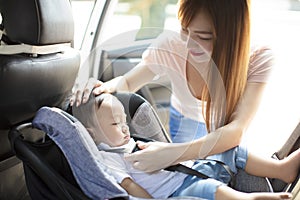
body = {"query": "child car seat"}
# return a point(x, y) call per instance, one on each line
point(47, 171)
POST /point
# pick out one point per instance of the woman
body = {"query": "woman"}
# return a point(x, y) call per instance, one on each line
point(186, 59)
point(105, 119)
point(217, 83)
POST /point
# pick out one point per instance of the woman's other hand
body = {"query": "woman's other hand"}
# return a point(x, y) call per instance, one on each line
point(155, 155)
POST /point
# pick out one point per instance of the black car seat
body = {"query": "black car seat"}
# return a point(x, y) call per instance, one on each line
point(38, 67)
point(48, 173)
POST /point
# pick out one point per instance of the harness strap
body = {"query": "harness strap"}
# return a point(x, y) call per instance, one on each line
point(190, 171)
point(186, 170)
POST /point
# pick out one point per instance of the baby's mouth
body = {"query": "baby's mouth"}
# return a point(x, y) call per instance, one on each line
point(127, 137)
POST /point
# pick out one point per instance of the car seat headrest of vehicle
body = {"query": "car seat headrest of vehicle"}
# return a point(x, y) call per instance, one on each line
point(37, 22)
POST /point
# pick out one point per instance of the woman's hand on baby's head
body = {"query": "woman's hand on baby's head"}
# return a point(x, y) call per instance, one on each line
point(103, 88)
point(82, 91)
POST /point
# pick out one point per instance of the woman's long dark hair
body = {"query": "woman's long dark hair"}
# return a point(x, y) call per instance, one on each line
point(231, 52)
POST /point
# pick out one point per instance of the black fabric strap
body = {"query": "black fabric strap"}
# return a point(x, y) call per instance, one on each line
point(186, 170)
point(190, 171)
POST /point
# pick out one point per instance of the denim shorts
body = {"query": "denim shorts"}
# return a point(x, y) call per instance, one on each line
point(197, 187)
point(206, 188)
point(183, 129)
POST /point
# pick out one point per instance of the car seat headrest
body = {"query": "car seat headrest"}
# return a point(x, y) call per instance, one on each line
point(37, 22)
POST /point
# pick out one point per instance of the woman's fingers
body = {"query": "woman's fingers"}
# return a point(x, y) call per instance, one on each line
point(99, 90)
point(153, 156)
point(142, 145)
point(76, 97)
point(91, 84)
point(135, 159)
point(103, 88)
point(81, 92)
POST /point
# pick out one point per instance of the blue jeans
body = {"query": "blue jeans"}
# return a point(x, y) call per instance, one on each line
point(206, 188)
point(183, 129)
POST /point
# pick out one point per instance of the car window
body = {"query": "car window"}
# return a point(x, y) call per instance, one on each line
point(143, 19)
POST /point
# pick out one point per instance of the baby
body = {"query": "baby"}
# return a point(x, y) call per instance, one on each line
point(105, 119)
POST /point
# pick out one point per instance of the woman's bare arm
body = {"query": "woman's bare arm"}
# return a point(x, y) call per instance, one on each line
point(129, 82)
point(231, 134)
point(132, 81)
point(216, 142)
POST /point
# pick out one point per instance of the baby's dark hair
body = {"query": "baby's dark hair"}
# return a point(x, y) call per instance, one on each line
point(85, 113)
point(100, 98)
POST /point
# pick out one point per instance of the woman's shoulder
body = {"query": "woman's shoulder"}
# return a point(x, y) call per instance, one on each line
point(168, 39)
point(260, 51)
point(261, 63)
point(167, 46)
point(261, 54)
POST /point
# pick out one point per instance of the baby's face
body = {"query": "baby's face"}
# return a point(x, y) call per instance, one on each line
point(112, 121)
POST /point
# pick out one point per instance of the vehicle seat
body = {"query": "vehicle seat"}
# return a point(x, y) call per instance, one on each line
point(38, 67)
point(48, 167)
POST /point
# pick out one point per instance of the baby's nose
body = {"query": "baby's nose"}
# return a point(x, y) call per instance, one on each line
point(125, 128)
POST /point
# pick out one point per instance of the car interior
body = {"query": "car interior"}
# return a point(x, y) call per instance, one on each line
point(40, 64)
point(38, 67)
